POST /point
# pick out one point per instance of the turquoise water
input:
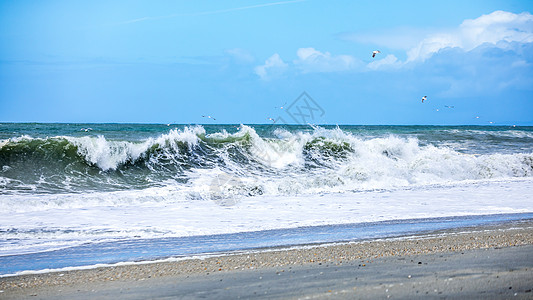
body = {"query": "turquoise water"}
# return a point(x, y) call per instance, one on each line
point(58, 158)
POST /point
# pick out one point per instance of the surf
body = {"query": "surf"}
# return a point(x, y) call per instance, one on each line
point(276, 160)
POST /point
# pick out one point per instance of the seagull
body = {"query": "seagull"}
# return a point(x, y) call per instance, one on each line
point(375, 52)
point(424, 98)
point(273, 121)
point(447, 106)
point(86, 129)
point(282, 107)
point(208, 117)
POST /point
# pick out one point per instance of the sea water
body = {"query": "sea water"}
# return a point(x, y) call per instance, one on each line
point(67, 187)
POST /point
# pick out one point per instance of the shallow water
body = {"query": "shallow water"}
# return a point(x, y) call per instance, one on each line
point(135, 250)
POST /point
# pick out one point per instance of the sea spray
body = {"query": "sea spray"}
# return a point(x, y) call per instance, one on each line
point(61, 187)
point(280, 161)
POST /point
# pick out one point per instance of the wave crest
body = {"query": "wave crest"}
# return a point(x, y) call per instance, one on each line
point(277, 161)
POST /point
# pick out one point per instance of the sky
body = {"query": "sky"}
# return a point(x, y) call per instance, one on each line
point(242, 61)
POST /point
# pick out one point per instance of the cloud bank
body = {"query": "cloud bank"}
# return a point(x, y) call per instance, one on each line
point(499, 29)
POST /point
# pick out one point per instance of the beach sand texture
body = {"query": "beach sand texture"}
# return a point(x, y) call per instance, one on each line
point(483, 262)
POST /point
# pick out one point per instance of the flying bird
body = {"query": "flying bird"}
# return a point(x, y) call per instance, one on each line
point(282, 107)
point(273, 121)
point(208, 117)
point(375, 52)
point(424, 98)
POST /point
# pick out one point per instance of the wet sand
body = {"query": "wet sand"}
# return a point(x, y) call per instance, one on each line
point(483, 262)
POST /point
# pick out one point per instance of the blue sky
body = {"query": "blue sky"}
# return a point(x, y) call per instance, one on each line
point(174, 61)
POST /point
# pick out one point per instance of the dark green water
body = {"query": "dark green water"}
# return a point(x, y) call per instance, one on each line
point(58, 158)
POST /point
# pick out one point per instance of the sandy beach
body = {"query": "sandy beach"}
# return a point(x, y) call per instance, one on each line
point(480, 262)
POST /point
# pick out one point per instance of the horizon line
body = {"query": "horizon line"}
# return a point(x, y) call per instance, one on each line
point(270, 124)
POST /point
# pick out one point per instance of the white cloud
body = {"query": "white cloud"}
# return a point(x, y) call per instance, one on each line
point(390, 61)
point(273, 66)
point(311, 60)
point(498, 28)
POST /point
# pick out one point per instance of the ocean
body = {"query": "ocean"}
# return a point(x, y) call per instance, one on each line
point(75, 195)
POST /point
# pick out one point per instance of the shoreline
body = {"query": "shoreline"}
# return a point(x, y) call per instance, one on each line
point(504, 237)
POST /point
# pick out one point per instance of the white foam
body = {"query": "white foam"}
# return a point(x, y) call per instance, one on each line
point(379, 178)
point(383, 162)
point(111, 154)
point(160, 215)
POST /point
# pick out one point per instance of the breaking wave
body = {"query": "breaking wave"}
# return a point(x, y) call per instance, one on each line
point(278, 161)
